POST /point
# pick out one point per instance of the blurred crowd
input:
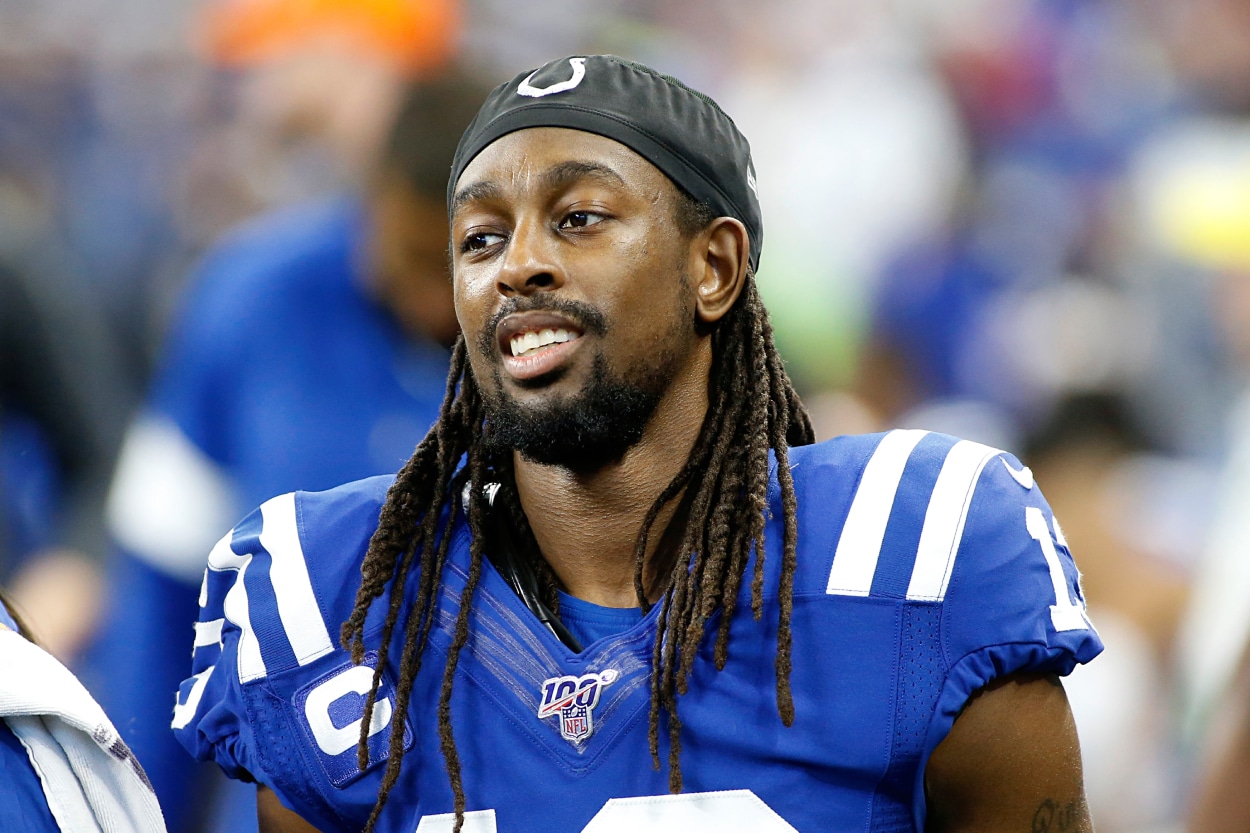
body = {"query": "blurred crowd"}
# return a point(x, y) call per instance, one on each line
point(1025, 222)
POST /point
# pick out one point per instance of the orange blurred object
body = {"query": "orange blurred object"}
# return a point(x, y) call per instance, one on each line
point(418, 36)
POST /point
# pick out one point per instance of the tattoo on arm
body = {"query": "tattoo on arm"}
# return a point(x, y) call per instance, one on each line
point(1054, 817)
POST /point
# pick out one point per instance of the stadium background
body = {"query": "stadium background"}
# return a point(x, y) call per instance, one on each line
point(1026, 222)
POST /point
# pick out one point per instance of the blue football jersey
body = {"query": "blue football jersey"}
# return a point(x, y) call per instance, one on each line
point(927, 566)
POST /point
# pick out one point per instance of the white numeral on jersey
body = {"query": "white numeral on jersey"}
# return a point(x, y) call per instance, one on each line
point(335, 740)
point(1065, 614)
point(477, 821)
point(731, 811)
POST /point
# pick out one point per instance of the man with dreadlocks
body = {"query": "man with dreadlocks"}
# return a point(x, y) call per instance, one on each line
point(617, 587)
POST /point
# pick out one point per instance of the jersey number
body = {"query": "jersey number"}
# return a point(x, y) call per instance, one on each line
point(732, 811)
point(1065, 614)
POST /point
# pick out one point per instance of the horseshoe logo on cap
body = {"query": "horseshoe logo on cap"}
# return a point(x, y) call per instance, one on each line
point(579, 72)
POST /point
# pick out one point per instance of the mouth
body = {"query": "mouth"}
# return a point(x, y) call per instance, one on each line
point(536, 344)
point(525, 343)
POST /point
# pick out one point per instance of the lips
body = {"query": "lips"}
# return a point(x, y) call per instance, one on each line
point(534, 344)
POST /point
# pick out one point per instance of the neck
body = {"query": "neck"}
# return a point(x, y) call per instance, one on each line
point(587, 523)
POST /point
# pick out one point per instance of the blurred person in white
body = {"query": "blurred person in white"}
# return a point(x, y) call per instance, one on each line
point(310, 348)
point(1193, 195)
point(1112, 491)
point(1210, 210)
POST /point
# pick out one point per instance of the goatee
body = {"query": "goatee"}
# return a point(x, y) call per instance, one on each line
point(582, 432)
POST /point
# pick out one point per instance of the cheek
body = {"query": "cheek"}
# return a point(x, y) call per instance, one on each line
point(656, 319)
point(471, 302)
point(485, 376)
point(656, 293)
point(645, 277)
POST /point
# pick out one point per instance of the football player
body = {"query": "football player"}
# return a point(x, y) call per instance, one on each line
point(617, 586)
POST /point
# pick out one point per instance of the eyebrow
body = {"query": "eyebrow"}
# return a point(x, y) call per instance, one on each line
point(555, 177)
point(474, 192)
point(566, 173)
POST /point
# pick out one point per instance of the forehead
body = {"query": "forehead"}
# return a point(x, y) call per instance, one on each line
point(526, 159)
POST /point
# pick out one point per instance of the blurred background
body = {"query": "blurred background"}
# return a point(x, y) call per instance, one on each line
point(1025, 222)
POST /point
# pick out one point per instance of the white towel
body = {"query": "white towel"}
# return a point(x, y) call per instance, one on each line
point(92, 781)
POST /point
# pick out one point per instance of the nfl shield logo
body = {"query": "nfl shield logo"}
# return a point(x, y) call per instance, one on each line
point(573, 700)
point(576, 723)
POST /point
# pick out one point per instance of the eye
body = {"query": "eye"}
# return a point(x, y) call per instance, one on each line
point(478, 241)
point(581, 219)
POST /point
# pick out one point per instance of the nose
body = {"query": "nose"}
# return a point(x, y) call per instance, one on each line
point(530, 263)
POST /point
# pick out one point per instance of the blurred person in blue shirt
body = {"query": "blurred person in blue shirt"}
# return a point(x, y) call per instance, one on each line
point(311, 348)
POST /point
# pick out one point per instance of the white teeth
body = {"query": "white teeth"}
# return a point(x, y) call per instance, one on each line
point(523, 343)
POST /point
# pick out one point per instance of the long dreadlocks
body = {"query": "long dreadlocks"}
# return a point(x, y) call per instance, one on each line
point(722, 494)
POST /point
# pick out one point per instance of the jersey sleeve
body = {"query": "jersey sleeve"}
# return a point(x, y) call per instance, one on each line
point(960, 535)
point(953, 538)
point(270, 688)
point(210, 714)
point(1010, 593)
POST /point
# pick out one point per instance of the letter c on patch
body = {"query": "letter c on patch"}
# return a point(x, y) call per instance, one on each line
point(335, 740)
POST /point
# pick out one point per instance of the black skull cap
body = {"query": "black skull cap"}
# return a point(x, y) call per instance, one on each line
point(679, 130)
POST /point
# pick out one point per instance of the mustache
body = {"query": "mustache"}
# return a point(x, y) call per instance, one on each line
point(589, 319)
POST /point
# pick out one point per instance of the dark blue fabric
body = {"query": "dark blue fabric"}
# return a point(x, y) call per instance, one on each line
point(902, 535)
point(591, 622)
point(22, 803)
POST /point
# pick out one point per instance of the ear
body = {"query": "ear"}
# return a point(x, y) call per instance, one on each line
point(719, 254)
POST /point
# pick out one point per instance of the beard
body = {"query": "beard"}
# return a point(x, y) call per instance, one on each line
point(591, 428)
point(587, 430)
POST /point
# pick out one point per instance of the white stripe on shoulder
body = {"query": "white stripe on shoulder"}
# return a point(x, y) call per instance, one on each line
point(859, 547)
point(223, 559)
point(208, 633)
point(292, 588)
point(945, 517)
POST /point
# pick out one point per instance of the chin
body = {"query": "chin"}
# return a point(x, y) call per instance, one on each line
point(582, 431)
